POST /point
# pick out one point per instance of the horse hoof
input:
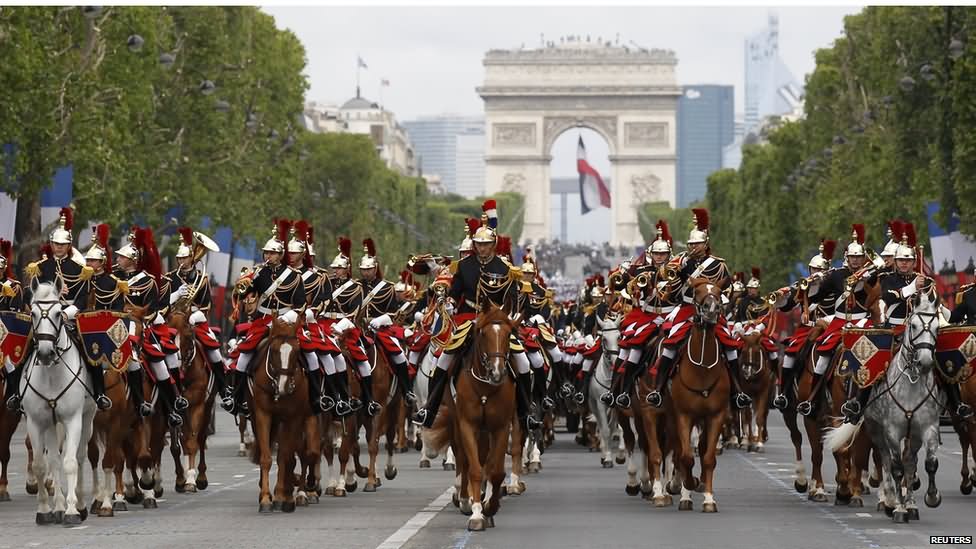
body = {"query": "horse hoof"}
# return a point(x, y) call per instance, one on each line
point(912, 513)
point(710, 508)
point(149, 504)
point(620, 460)
point(818, 497)
point(390, 473)
point(362, 472)
point(105, 513)
point(43, 519)
point(856, 501)
point(339, 492)
point(95, 506)
point(265, 508)
point(119, 506)
point(288, 507)
point(608, 464)
point(660, 501)
point(313, 498)
point(685, 505)
point(533, 468)
point(202, 484)
point(179, 487)
point(276, 506)
point(476, 525)
point(504, 490)
point(191, 488)
point(418, 445)
point(934, 500)
point(491, 522)
point(749, 449)
point(800, 488)
point(632, 490)
point(369, 488)
point(241, 453)
point(455, 499)
point(916, 484)
point(890, 511)
point(134, 498)
point(330, 491)
point(59, 517)
point(301, 501)
point(448, 466)
point(158, 492)
point(72, 520)
point(425, 464)
point(966, 487)
point(146, 485)
point(5, 496)
point(83, 513)
point(900, 517)
point(31, 489)
point(874, 482)
point(352, 487)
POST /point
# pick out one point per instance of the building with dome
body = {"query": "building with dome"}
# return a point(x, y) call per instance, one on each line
point(364, 117)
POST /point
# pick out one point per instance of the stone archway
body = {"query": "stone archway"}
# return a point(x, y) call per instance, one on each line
point(628, 96)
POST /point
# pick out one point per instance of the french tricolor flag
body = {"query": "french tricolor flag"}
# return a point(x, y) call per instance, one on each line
point(593, 191)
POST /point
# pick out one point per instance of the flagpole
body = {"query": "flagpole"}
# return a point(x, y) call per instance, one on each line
point(381, 94)
point(358, 66)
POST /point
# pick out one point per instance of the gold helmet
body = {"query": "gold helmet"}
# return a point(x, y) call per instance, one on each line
point(699, 233)
point(906, 247)
point(856, 247)
point(99, 249)
point(597, 289)
point(822, 260)
point(470, 227)
point(754, 281)
point(279, 235)
point(663, 242)
point(528, 264)
point(341, 260)
point(895, 228)
point(369, 255)
point(299, 234)
point(62, 234)
point(489, 223)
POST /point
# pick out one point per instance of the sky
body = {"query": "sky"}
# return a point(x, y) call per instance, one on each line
point(432, 56)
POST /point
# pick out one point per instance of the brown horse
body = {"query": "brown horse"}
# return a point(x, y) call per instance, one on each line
point(757, 381)
point(700, 394)
point(386, 393)
point(479, 420)
point(966, 429)
point(197, 387)
point(280, 408)
point(655, 435)
point(8, 425)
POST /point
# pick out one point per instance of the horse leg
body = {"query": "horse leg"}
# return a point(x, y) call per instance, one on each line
point(31, 487)
point(600, 412)
point(38, 467)
point(686, 460)
point(394, 423)
point(761, 414)
point(373, 447)
point(931, 440)
point(72, 454)
point(515, 486)
point(284, 490)
point(796, 437)
point(469, 440)
point(262, 438)
point(812, 426)
point(242, 429)
point(713, 427)
point(8, 425)
point(495, 469)
point(858, 456)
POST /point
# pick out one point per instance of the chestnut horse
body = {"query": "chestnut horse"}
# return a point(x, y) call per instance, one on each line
point(479, 419)
point(757, 381)
point(280, 408)
point(386, 393)
point(700, 395)
point(8, 425)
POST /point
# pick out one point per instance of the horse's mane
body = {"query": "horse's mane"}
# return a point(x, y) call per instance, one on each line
point(493, 314)
point(45, 291)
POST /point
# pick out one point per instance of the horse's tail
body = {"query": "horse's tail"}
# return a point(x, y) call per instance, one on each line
point(438, 437)
point(841, 438)
point(256, 448)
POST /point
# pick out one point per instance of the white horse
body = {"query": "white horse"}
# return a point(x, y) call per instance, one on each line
point(59, 407)
point(611, 434)
point(421, 388)
point(903, 414)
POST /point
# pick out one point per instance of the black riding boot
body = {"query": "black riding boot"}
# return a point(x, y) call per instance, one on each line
point(853, 409)
point(630, 375)
point(425, 416)
point(372, 407)
point(786, 391)
point(610, 397)
point(167, 393)
point(664, 365)
point(318, 401)
point(220, 379)
point(239, 394)
point(805, 408)
point(406, 384)
point(963, 410)
point(583, 386)
point(179, 402)
point(567, 385)
point(340, 392)
point(539, 389)
point(742, 400)
point(523, 386)
point(136, 393)
point(11, 389)
point(97, 376)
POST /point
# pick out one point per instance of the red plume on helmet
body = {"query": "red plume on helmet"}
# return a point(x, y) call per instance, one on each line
point(101, 237)
point(701, 218)
point(186, 234)
point(473, 225)
point(345, 246)
point(598, 280)
point(46, 250)
point(369, 247)
point(897, 227)
point(503, 246)
point(7, 249)
point(284, 226)
point(756, 272)
point(301, 230)
point(665, 233)
point(740, 276)
point(148, 254)
point(910, 234)
point(310, 235)
point(69, 218)
point(857, 230)
point(829, 246)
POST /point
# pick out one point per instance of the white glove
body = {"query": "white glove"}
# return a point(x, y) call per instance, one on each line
point(132, 328)
point(197, 317)
point(309, 316)
point(70, 311)
point(232, 344)
point(340, 327)
point(158, 319)
point(182, 291)
point(589, 341)
point(537, 320)
point(380, 321)
point(737, 328)
point(449, 308)
point(290, 317)
point(577, 335)
point(407, 332)
point(418, 316)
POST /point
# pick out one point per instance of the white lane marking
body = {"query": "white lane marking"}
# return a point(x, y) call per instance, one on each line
point(239, 476)
point(402, 536)
point(864, 515)
point(886, 531)
point(216, 483)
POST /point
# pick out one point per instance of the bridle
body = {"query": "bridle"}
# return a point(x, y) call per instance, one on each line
point(44, 316)
point(485, 357)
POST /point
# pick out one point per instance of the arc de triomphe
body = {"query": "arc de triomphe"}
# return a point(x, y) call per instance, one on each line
point(627, 95)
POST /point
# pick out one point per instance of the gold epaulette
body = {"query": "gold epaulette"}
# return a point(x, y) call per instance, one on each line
point(86, 273)
point(7, 290)
point(453, 268)
point(122, 285)
point(33, 269)
point(526, 287)
point(514, 273)
point(588, 309)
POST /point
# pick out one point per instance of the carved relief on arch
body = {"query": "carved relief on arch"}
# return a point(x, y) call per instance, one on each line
point(513, 183)
point(552, 126)
point(646, 188)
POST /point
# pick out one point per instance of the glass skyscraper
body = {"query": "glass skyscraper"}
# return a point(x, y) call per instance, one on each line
point(771, 88)
point(706, 124)
point(435, 141)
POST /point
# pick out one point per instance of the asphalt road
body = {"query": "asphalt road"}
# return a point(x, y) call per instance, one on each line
point(572, 503)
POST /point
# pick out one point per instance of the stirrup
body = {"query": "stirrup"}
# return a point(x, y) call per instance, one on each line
point(103, 402)
point(780, 402)
point(419, 417)
point(227, 403)
point(607, 398)
point(13, 403)
point(742, 400)
point(567, 390)
point(181, 404)
point(326, 403)
point(623, 401)
point(355, 404)
point(532, 422)
point(548, 404)
point(373, 408)
point(342, 408)
point(579, 398)
point(851, 408)
point(964, 411)
point(804, 408)
point(174, 419)
point(410, 397)
point(145, 409)
point(654, 398)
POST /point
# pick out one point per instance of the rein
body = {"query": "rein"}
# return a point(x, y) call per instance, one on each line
point(59, 332)
point(483, 358)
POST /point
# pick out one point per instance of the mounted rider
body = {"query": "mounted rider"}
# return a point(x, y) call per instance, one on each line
point(340, 299)
point(12, 300)
point(605, 317)
point(646, 284)
point(751, 298)
point(480, 277)
point(847, 289)
point(314, 347)
point(193, 295)
point(536, 332)
point(59, 261)
point(695, 264)
point(280, 295)
point(139, 268)
point(803, 295)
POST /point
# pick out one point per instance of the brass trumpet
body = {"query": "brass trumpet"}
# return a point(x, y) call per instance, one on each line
point(643, 280)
